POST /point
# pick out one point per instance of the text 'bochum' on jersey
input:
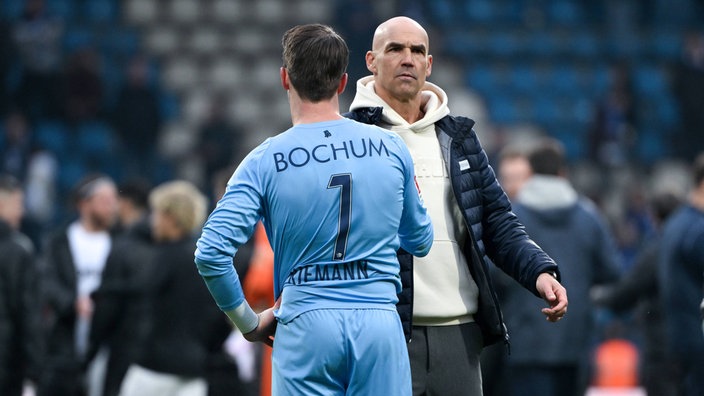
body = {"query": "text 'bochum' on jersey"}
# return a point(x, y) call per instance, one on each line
point(301, 156)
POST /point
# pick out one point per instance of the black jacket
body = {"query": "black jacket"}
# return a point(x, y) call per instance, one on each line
point(495, 232)
point(186, 325)
point(119, 317)
point(19, 312)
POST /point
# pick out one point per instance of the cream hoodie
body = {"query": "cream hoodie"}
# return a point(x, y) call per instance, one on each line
point(444, 291)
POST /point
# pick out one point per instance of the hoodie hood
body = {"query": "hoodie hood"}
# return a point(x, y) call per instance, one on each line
point(552, 196)
point(434, 105)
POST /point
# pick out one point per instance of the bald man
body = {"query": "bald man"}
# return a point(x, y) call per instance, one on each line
point(448, 294)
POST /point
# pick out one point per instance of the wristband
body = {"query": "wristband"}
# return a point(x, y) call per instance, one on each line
point(244, 317)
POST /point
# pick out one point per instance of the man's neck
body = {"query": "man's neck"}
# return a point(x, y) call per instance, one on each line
point(410, 110)
point(303, 112)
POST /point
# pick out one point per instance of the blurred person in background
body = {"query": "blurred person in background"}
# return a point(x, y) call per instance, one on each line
point(184, 324)
point(82, 86)
point(137, 118)
point(551, 359)
point(221, 144)
point(514, 170)
point(72, 266)
point(681, 278)
point(688, 85)
point(132, 198)
point(20, 342)
point(639, 289)
point(38, 39)
point(613, 132)
point(16, 149)
point(448, 295)
point(8, 56)
point(120, 318)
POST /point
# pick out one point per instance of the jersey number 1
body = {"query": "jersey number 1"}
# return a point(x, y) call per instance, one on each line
point(344, 182)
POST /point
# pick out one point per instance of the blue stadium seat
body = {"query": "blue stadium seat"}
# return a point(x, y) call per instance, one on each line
point(78, 37)
point(169, 106)
point(564, 12)
point(525, 79)
point(505, 43)
point(481, 11)
point(651, 79)
point(65, 9)
point(96, 140)
point(71, 171)
point(12, 9)
point(121, 42)
point(665, 44)
point(53, 136)
point(585, 44)
point(504, 109)
point(564, 79)
point(100, 11)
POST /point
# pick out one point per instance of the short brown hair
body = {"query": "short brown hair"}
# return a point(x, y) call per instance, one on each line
point(548, 157)
point(316, 59)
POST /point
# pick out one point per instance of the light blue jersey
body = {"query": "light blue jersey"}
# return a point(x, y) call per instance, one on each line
point(337, 199)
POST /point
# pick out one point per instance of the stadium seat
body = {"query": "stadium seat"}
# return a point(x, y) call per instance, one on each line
point(141, 12)
point(269, 11)
point(314, 10)
point(100, 11)
point(78, 37)
point(564, 12)
point(53, 136)
point(162, 40)
point(65, 9)
point(71, 171)
point(651, 79)
point(226, 73)
point(184, 12)
point(12, 9)
point(96, 139)
point(205, 41)
point(181, 73)
point(228, 12)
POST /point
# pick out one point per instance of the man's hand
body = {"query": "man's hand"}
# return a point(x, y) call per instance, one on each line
point(554, 294)
point(264, 332)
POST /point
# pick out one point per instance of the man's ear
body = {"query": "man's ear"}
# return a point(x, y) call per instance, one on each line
point(369, 58)
point(430, 66)
point(283, 73)
point(343, 84)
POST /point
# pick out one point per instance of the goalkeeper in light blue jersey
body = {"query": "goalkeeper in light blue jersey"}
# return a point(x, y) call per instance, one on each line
point(337, 199)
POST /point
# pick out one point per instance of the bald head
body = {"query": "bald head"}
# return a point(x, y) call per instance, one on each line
point(398, 27)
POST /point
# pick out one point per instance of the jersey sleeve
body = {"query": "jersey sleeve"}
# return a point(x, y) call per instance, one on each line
point(229, 226)
point(415, 230)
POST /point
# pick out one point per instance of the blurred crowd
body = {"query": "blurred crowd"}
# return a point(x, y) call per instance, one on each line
point(83, 166)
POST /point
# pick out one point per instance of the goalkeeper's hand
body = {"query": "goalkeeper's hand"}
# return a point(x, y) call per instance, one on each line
point(264, 332)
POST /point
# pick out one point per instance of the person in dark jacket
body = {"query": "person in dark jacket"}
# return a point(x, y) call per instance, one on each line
point(184, 323)
point(552, 360)
point(638, 290)
point(448, 294)
point(19, 311)
point(681, 276)
point(72, 268)
point(119, 326)
point(119, 323)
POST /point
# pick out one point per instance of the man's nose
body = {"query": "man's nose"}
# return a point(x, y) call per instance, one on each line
point(407, 57)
